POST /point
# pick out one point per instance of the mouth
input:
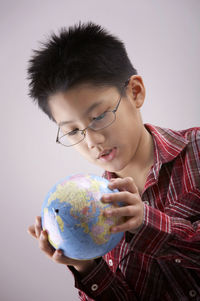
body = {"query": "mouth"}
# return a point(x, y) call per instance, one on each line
point(108, 155)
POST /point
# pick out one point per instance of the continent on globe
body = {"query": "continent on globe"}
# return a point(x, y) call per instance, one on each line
point(72, 214)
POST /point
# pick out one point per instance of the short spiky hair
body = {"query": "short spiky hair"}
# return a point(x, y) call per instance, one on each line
point(84, 53)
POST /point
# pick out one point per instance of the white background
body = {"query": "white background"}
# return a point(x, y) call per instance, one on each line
point(163, 42)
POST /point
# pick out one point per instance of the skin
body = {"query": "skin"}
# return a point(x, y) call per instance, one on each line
point(132, 162)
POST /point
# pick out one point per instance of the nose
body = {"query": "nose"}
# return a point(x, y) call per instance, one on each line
point(94, 138)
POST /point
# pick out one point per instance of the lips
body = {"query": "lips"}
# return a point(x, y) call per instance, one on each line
point(105, 152)
point(108, 154)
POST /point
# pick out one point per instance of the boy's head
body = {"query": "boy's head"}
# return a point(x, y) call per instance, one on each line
point(85, 53)
point(78, 79)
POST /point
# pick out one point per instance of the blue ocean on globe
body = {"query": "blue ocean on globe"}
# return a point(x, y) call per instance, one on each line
point(72, 214)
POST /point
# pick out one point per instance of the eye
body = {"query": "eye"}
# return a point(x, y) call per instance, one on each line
point(72, 133)
point(100, 117)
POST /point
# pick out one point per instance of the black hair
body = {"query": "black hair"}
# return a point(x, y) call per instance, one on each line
point(84, 53)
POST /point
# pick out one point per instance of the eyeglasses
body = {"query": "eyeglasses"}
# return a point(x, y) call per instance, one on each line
point(99, 123)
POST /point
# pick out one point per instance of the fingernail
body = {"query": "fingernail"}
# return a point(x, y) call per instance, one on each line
point(114, 229)
point(42, 236)
point(106, 196)
point(105, 200)
point(108, 212)
point(58, 253)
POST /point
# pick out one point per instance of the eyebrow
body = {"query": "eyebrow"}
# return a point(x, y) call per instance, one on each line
point(92, 107)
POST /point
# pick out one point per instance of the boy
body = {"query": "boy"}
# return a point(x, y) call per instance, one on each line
point(83, 80)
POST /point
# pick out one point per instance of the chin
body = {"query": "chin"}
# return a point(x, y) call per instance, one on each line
point(116, 167)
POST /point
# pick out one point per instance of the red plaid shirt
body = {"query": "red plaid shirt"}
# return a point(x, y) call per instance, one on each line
point(162, 260)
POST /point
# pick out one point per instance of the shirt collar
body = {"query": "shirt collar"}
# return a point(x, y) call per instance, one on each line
point(168, 144)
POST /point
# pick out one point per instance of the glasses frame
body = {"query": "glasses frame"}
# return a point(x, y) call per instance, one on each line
point(83, 132)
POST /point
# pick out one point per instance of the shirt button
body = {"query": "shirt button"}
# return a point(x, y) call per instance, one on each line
point(178, 260)
point(146, 202)
point(192, 293)
point(110, 262)
point(94, 287)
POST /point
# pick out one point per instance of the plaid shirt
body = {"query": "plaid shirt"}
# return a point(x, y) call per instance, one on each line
point(162, 260)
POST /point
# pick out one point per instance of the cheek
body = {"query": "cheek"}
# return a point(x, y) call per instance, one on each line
point(81, 148)
point(122, 128)
point(128, 121)
point(127, 133)
point(84, 151)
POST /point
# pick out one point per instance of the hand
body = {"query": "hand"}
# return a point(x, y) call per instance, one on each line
point(82, 266)
point(133, 209)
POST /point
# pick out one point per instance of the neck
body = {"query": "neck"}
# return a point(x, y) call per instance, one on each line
point(142, 161)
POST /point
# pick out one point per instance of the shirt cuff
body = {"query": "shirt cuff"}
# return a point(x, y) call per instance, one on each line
point(96, 281)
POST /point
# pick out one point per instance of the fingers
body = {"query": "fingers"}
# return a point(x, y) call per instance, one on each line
point(125, 184)
point(38, 226)
point(31, 231)
point(132, 217)
point(59, 257)
point(129, 225)
point(35, 230)
point(42, 237)
point(122, 211)
point(56, 255)
point(133, 209)
point(44, 244)
point(123, 196)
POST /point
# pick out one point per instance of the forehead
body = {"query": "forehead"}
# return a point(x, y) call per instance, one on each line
point(75, 103)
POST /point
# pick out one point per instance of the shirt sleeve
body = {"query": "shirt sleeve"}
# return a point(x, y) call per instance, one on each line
point(101, 284)
point(170, 238)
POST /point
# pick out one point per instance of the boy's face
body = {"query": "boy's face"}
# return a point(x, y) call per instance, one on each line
point(114, 147)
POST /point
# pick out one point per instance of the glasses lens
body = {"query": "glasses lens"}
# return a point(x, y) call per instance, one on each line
point(103, 121)
point(71, 138)
point(76, 136)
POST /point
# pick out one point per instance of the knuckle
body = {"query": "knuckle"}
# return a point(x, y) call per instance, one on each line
point(55, 259)
point(129, 180)
point(37, 220)
point(113, 180)
point(137, 222)
point(119, 181)
point(129, 210)
point(115, 211)
point(31, 229)
point(37, 229)
point(42, 247)
point(110, 210)
point(126, 194)
point(129, 224)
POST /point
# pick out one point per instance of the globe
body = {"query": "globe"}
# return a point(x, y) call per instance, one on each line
point(72, 214)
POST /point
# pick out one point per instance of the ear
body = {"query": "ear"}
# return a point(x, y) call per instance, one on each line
point(136, 90)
